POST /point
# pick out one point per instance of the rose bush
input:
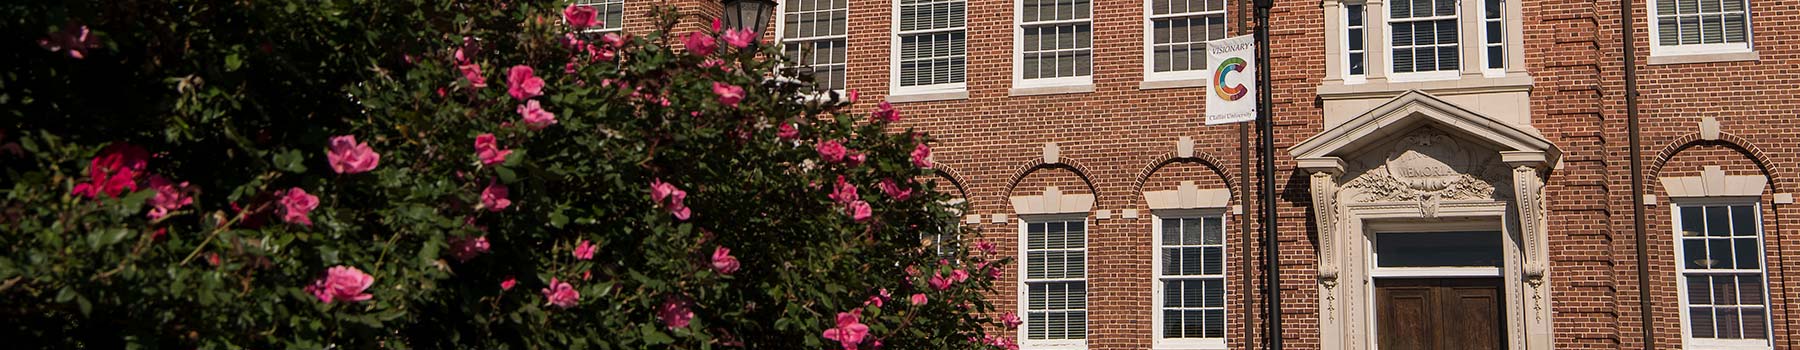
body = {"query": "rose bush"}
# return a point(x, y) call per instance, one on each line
point(470, 174)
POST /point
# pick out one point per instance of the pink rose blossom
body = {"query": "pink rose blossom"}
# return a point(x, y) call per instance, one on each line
point(296, 204)
point(729, 95)
point(843, 193)
point(508, 283)
point(342, 283)
point(699, 44)
point(1002, 342)
point(494, 197)
point(579, 17)
point(677, 199)
point(885, 113)
point(849, 331)
point(920, 299)
point(76, 39)
point(851, 98)
point(613, 39)
point(855, 159)
point(959, 275)
point(738, 38)
point(585, 250)
point(1011, 320)
point(893, 190)
point(985, 247)
point(921, 156)
point(489, 151)
point(350, 157)
point(560, 294)
point(787, 131)
point(535, 116)
point(832, 151)
point(463, 248)
point(995, 272)
point(723, 262)
point(879, 299)
point(112, 185)
point(860, 211)
point(119, 156)
point(939, 282)
point(674, 312)
point(472, 72)
point(522, 83)
point(169, 196)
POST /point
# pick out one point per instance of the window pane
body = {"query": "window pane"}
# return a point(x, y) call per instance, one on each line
point(1215, 323)
point(1190, 232)
point(1724, 290)
point(1171, 231)
point(1693, 253)
point(1667, 32)
point(1172, 324)
point(1701, 319)
point(1214, 230)
point(1718, 253)
point(1729, 323)
point(1743, 220)
point(1699, 290)
point(1746, 254)
point(1194, 324)
point(1496, 56)
point(1692, 223)
point(1755, 323)
point(1213, 260)
point(1478, 248)
point(1750, 290)
point(1717, 221)
point(1172, 293)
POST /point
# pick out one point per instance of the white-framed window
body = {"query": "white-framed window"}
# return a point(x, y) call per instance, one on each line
point(1053, 290)
point(1424, 41)
point(610, 13)
point(1176, 36)
point(1356, 35)
point(1054, 43)
point(1190, 282)
point(1493, 36)
point(1722, 279)
point(814, 35)
point(1699, 26)
point(930, 40)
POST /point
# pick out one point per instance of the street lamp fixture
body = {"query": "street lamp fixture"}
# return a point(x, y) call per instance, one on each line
point(748, 14)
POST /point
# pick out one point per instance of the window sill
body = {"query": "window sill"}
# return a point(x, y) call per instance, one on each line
point(928, 96)
point(1171, 84)
point(1051, 90)
point(1738, 56)
point(1338, 90)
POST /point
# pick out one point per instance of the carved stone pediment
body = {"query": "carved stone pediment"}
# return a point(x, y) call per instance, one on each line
point(1428, 167)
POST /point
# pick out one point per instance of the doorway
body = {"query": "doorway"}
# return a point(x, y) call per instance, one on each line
point(1440, 313)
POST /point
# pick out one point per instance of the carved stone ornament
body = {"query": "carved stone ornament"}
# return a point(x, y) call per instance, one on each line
point(1427, 167)
point(1324, 195)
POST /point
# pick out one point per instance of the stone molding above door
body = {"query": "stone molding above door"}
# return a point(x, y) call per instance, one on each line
point(1421, 159)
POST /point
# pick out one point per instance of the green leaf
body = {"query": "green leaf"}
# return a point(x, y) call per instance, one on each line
point(84, 304)
point(506, 175)
point(653, 336)
point(291, 161)
point(232, 62)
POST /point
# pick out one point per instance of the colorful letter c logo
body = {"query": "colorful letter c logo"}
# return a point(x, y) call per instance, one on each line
point(1229, 93)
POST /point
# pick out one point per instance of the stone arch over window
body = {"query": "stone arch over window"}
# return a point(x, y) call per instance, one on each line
point(1720, 193)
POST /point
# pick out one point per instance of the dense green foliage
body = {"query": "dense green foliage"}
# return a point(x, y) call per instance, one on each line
point(240, 102)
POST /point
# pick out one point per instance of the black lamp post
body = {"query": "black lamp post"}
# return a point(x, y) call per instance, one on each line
point(748, 14)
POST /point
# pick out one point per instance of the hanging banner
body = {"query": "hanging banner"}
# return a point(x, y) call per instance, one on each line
point(1231, 86)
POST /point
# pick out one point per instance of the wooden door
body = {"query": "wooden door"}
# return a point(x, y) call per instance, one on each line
point(1440, 313)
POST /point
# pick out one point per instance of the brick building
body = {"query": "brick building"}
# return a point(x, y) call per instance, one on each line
point(1450, 173)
